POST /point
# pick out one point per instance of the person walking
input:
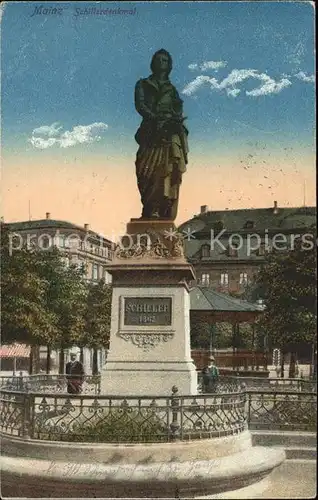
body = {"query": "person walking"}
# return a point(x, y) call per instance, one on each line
point(75, 375)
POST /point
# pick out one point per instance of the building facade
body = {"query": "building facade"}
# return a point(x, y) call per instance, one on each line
point(78, 245)
point(227, 247)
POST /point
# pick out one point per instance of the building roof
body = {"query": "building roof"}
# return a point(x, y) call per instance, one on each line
point(206, 299)
point(42, 224)
point(14, 351)
point(51, 224)
point(262, 218)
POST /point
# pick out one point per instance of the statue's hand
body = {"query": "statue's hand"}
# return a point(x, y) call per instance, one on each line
point(161, 117)
point(161, 124)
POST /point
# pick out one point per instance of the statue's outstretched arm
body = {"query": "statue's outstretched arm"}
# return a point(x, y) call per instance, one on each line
point(140, 103)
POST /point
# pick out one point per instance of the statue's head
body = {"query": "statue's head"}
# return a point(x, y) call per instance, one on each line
point(161, 61)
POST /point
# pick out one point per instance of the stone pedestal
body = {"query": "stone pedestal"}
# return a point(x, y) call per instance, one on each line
point(150, 327)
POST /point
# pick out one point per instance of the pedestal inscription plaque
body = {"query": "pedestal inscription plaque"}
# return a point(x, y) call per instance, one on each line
point(145, 311)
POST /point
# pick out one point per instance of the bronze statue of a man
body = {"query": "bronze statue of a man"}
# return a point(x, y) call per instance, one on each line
point(163, 147)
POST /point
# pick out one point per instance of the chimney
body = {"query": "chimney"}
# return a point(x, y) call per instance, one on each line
point(47, 215)
point(86, 227)
point(275, 208)
point(203, 209)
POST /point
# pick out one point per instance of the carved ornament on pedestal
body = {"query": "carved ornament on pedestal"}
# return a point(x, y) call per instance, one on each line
point(147, 341)
point(155, 248)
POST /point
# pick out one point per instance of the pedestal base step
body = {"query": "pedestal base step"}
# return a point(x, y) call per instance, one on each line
point(39, 478)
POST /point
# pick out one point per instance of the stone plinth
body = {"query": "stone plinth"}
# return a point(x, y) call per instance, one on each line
point(150, 328)
point(31, 468)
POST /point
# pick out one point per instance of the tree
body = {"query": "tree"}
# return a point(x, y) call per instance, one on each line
point(43, 301)
point(65, 298)
point(200, 334)
point(203, 334)
point(24, 315)
point(289, 281)
point(97, 317)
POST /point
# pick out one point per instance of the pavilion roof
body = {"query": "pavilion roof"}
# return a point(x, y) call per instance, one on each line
point(206, 299)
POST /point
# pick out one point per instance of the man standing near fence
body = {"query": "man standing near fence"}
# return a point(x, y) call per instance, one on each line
point(75, 375)
point(210, 376)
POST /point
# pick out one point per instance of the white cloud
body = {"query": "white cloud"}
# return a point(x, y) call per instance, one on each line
point(82, 134)
point(297, 53)
point(270, 87)
point(215, 65)
point(2, 7)
point(49, 130)
point(47, 136)
point(304, 77)
point(193, 86)
point(235, 77)
point(232, 92)
point(40, 143)
point(212, 65)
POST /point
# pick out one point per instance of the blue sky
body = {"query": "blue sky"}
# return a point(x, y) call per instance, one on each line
point(243, 69)
point(82, 68)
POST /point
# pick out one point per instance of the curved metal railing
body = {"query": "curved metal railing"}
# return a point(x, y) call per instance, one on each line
point(33, 411)
point(101, 418)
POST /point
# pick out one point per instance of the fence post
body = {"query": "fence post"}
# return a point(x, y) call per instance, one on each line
point(174, 426)
point(20, 382)
point(25, 400)
point(248, 409)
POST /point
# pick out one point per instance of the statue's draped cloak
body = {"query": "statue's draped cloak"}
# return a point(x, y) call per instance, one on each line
point(162, 155)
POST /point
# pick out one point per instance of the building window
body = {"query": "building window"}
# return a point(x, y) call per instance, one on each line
point(44, 241)
point(205, 251)
point(106, 252)
point(234, 245)
point(61, 241)
point(95, 272)
point(73, 243)
point(88, 247)
point(224, 279)
point(205, 279)
point(108, 277)
point(232, 251)
point(243, 279)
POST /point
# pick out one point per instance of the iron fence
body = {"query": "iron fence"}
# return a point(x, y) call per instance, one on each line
point(91, 383)
point(54, 383)
point(282, 410)
point(266, 384)
point(278, 384)
point(56, 415)
point(122, 419)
